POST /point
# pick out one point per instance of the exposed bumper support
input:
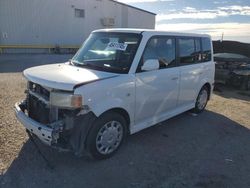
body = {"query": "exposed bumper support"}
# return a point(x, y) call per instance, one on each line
point(44, 133)
point(49, 135)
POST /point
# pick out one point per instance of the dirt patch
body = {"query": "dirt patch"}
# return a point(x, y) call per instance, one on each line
point(233, 104)
point(12, 135)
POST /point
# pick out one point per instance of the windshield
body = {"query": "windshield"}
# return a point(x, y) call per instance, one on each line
point(110, 52)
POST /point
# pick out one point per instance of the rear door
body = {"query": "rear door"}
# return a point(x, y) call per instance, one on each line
point(191, 70)
point(157, 91)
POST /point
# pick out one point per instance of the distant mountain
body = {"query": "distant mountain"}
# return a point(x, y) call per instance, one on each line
point(232, 47)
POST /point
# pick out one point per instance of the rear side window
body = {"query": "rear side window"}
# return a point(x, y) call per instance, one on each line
point(194, 50)
point(206, 48)
point(162, 49)
point(187, 50)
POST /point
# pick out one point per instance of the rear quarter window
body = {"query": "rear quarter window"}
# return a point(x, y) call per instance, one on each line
point(206, 49)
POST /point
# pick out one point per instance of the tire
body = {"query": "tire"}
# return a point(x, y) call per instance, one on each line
point(201, 100)
point(106, 135)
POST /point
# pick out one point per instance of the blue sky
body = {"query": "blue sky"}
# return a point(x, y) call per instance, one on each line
point(201, 16)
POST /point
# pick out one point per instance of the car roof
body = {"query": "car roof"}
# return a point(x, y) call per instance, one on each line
point(151, 32)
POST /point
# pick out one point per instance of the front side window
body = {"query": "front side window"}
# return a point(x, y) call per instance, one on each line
point(111, 52)
point(162, 49)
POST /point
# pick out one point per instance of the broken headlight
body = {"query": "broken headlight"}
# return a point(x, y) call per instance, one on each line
point(65, 100)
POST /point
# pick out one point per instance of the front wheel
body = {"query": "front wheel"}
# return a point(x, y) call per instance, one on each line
point(106, 135)
point(201, 100)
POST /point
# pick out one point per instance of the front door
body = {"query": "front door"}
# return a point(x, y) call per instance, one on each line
point(157, 90)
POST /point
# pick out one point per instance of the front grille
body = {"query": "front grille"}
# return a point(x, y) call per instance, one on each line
point(38, 89)
point(37, 108)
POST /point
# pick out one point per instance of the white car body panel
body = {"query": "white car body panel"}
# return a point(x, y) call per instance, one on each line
point(190, 77)
point(63, 76)
point(156, 93)
point(117, 92)
point(164, 116)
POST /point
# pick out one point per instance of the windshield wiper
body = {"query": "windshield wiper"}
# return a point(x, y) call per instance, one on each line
point(96, 67)
point(74, 62)
point(83, 64)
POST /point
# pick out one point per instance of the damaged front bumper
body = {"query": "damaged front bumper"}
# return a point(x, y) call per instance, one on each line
point(56, 134)
point(46, 134)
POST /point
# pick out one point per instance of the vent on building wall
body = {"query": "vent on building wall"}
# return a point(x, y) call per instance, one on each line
point(79, 13)
point(108, 21)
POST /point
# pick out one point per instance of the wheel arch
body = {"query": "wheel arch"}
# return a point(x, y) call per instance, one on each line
point(209, 87)
point(123, 113)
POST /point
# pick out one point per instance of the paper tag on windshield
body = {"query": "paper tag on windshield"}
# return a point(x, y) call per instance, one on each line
point(116, 46)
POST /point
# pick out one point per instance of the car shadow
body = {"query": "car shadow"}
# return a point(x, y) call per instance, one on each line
point(231, 92)
point(208, 150)
point(12, 63)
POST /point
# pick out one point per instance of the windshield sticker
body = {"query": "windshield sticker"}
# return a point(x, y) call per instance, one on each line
point(116, 46)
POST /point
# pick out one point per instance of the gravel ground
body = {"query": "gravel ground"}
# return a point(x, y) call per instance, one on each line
point(208, 150)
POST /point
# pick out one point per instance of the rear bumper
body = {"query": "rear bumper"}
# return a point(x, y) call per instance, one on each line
point(43, 132)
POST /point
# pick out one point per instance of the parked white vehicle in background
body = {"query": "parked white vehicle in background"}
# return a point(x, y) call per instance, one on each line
point(119, 82)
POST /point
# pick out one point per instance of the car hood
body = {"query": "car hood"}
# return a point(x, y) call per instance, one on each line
point(64, 76)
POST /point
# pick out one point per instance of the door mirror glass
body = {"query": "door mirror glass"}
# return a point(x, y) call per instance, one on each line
point(150, 64)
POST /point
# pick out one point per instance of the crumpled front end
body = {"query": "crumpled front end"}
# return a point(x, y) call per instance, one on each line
point(60, 127)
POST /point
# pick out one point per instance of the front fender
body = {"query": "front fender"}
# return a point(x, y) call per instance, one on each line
point(111, 93)
point(106, 105)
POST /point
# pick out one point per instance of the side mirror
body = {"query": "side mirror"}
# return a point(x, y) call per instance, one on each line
point(150, 64)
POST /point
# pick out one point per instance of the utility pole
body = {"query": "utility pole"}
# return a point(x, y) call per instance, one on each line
point(222, 36)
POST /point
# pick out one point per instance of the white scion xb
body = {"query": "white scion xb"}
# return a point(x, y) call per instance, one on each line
point(119, 82)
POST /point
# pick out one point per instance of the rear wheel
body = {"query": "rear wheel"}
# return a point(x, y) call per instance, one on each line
point(106, 135)
point(201, 100)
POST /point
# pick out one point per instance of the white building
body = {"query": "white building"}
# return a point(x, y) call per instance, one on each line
point(64, 22)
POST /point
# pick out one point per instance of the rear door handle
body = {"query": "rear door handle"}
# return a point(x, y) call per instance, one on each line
point(174, 78)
